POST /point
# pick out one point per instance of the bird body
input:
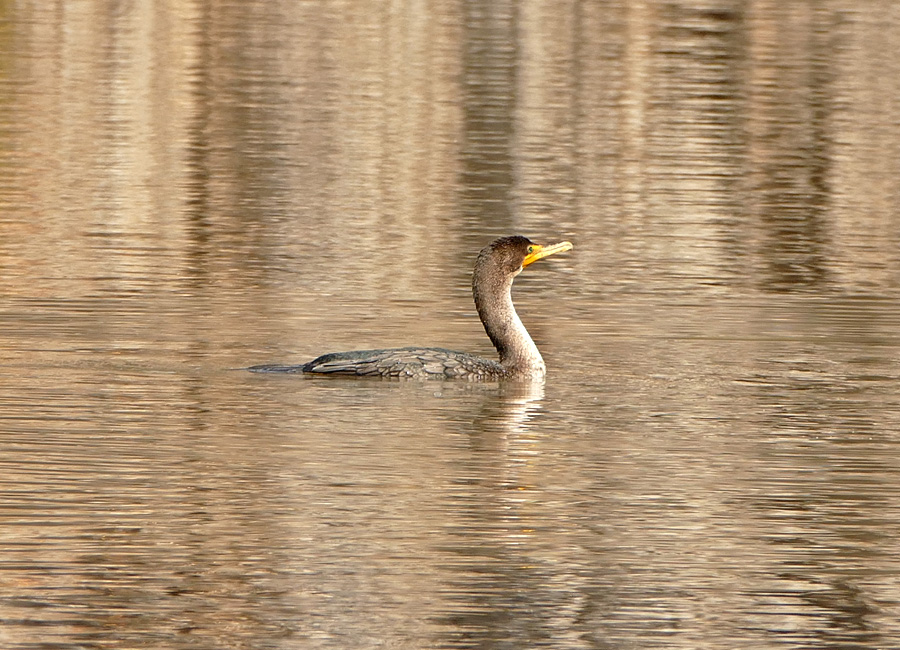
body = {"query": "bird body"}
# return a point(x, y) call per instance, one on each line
point(496, 267)
point(410, 362)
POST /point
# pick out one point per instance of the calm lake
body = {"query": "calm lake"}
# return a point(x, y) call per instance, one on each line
point(190, 188)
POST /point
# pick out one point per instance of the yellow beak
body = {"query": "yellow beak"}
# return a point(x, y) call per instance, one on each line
point(539, 251)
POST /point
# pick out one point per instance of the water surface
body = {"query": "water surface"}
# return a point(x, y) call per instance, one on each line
point(186, 190)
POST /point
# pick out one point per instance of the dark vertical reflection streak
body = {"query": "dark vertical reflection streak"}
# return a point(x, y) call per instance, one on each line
point(197, 195)
point(696, 145)
point(489, 103)
point(789, 114)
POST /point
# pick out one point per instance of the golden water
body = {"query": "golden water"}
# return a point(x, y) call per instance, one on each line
point(193, 187)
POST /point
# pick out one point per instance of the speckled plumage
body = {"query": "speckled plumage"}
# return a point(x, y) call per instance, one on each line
point(496, 267)
point(409, 362)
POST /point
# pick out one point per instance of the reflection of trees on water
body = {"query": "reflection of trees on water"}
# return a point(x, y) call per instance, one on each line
point(489, 102)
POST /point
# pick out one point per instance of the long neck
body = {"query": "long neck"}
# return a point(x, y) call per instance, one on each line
point(518, 353)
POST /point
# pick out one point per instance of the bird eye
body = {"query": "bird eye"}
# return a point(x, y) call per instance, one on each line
point(530, 249)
